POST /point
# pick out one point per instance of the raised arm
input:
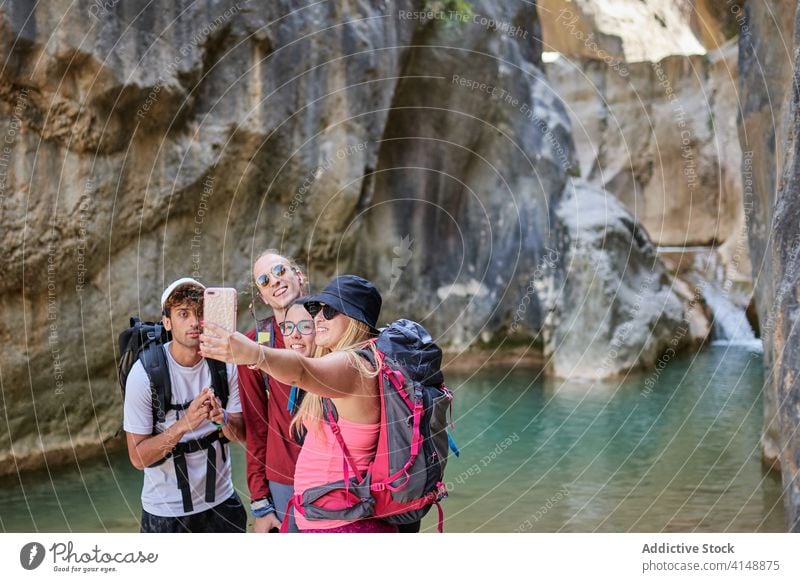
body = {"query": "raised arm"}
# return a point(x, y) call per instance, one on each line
point(331, 376)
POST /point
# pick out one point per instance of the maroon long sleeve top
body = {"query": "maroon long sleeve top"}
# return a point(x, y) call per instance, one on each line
point(271, 450)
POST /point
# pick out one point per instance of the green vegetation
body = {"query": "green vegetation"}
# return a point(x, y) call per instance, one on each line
point(450, 12)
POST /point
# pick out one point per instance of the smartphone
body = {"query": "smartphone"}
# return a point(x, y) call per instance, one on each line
point(219, 306)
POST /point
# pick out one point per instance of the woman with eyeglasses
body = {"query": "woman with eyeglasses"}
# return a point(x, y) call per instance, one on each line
point(345, 318)
point(297, 328)
point(268, 405)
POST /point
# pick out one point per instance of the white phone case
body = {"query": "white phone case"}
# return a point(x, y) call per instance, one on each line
point(219, 306)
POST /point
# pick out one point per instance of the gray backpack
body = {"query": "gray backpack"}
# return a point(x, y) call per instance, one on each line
point(407, 475)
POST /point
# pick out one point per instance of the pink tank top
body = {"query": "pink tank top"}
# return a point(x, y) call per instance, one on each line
point(321, 459)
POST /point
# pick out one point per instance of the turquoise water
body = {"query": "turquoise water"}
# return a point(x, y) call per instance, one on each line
point(536, 455)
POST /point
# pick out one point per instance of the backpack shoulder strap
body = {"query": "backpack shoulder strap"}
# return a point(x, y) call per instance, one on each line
point(367, 355)
point(370, 355)
point(329, 411)
point(154, 360)
point(330, 415)
point(270, 329)
point(219, 380)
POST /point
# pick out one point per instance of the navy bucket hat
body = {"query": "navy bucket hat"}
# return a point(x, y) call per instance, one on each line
point(352, 295)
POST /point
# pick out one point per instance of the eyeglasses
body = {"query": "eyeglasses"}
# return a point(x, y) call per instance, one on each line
point(278, 270)
point(315, 307)
point(305, 327)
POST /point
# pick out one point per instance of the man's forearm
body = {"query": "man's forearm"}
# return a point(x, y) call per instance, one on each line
point(156, 447)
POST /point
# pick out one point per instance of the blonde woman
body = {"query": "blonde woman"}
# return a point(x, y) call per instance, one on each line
point(345, 318)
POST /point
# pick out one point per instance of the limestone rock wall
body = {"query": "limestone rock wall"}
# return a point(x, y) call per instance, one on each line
point(146, 144)
point(462, 212)
point(625, 30)
point(419, 143)
point(658, 128)
point(768, 126)
point(142, 144)
point(606, 321)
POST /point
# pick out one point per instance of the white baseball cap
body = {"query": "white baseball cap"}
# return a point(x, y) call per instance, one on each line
point(175, 284)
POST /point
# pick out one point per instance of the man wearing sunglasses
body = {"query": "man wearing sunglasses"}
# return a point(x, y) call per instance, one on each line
point(268, 405)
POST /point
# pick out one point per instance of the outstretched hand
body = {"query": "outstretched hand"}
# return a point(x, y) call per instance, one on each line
point(218, 343)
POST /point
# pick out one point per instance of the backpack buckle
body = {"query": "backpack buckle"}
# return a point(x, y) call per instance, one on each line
point(377, 486)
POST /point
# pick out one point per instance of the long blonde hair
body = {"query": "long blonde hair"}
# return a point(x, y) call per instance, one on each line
point(355, 337)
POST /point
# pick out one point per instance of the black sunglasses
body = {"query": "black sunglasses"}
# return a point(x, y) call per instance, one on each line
point(305, 327)
point(278, 270)
point(315, 307)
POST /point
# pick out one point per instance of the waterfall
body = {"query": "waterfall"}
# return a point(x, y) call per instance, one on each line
point(730, 322)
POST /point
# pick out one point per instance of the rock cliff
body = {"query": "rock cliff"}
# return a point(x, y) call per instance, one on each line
point(768, 127)
point(141, 144)
point(419, 143)
point(655, 117)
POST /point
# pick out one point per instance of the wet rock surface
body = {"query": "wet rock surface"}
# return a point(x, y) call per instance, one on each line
point(432, 155)
point(768, 127)
point(606, 321)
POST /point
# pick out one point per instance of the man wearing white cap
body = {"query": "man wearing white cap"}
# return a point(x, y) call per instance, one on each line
point(186, 487)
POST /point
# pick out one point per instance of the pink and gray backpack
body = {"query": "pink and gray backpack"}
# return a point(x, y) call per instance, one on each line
point(406, 477)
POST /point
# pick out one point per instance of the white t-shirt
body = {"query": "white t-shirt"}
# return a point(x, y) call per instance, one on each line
point(160, 493)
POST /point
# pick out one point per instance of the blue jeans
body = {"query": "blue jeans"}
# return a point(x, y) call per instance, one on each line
point(281, 494)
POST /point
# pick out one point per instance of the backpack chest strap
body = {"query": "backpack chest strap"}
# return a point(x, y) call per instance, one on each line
point(178, 455)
